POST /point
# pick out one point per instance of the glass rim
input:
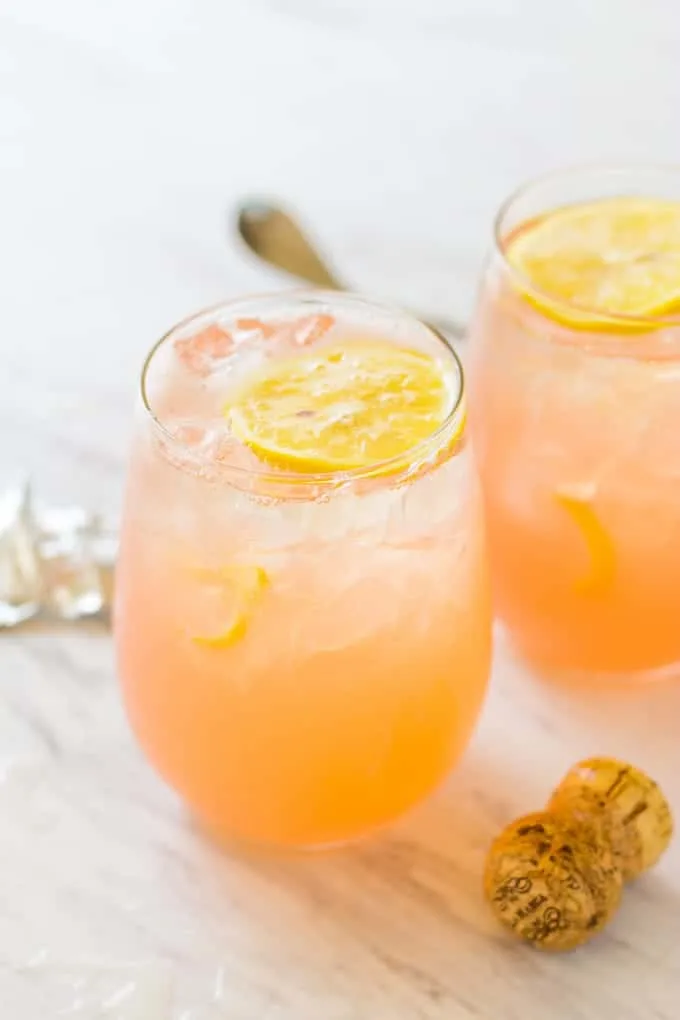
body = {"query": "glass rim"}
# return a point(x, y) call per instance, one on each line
point(389, 470)
point(582, 171)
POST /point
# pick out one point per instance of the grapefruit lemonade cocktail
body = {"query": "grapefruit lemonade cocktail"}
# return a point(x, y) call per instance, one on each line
point(303, 619)
point(576, 396)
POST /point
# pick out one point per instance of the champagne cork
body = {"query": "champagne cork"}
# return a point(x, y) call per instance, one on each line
point(555, 877)
point(629, 807)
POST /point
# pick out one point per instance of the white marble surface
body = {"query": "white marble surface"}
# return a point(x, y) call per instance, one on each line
point(127, 133)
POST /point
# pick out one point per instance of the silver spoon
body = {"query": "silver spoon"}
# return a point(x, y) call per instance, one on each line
point(274, 236)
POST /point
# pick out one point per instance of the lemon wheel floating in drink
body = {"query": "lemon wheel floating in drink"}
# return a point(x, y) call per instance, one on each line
point(576, 419)
point(349, 406)
point(303, 618)
point(611, 264)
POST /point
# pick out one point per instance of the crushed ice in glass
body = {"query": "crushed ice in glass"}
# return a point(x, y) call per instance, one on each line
point(200, 352)
point(55, 562)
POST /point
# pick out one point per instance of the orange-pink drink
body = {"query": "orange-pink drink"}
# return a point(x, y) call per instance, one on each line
point(303, 619)
point(576, 400)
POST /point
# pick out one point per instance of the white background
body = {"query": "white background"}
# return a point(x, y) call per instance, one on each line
point(128, 131)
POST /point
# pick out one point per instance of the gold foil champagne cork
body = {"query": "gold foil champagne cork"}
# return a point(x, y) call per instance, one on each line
point(551, 882)
point(627, 804)
point(555, 877)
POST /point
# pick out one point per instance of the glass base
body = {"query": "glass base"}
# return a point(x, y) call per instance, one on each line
point(638, 678)
point(591, 679)
point(234, 842)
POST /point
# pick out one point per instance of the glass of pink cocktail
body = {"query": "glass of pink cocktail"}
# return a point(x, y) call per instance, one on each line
point(575, 382)
point(302, 618)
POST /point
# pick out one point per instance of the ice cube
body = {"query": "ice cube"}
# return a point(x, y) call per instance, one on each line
point(204, 351)
point(21, 582)
point(188, 433)
point(77, 553)
point(58, 560)
point(258, 326)
point(302, 332)
point(310, 328)
point(73, 582)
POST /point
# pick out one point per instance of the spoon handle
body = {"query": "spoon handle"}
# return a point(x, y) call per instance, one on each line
point(275, 237)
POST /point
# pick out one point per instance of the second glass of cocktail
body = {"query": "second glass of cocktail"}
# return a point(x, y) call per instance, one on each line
point(576, 421)
point(303, 618)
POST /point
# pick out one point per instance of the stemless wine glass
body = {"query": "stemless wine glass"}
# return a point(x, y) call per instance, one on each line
point(575, 380)
point(303, 648)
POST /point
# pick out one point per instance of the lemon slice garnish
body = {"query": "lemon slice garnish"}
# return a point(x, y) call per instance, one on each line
point(589, 263)
point(598, 543)
point(240, 587)
point(342, 407)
